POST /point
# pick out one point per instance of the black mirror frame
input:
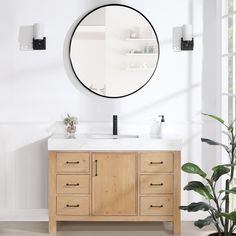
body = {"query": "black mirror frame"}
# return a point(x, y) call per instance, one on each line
point(158, 45)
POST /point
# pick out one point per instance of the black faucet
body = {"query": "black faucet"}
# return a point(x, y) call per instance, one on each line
point(115, 125)
point(162, 118)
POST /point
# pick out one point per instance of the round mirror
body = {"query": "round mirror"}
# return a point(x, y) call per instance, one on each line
point(114, 51)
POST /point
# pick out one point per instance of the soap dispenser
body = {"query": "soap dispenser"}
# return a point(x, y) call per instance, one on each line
point(156, 128)
point(161, 125)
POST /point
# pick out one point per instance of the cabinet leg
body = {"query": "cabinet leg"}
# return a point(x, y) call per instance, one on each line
point(52, 226)
point(176, 226)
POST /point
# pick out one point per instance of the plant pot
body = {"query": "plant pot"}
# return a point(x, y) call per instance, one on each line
point(71, 130)
point(216, 234)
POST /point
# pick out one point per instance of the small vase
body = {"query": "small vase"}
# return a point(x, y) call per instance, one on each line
point(71, 131)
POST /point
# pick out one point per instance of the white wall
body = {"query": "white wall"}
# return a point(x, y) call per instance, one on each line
point(35, 92)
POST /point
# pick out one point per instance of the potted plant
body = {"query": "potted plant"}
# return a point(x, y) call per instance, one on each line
point(70, 122)
point(218, 201)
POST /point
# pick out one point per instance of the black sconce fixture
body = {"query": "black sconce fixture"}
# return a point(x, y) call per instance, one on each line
point(39, 40)
point(39, 44)
point(187, 45)
point(187, 41)
point(183, 38)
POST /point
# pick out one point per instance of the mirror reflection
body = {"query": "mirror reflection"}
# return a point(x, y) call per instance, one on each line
point(114, 51)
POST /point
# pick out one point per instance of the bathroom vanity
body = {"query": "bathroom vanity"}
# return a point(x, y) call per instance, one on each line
point(114, 180)
point(107, 179)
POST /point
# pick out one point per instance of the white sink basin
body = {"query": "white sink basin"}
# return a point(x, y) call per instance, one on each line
point(111, 136)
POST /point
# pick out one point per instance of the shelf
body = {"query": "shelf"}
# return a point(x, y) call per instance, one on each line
point(140, 39)
point(141, 54)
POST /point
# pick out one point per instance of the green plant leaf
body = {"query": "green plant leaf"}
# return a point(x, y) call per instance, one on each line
point(232, 190)
point(66, 121)
point(200, 188)
point(193, 169)
point(211, 142)
point(230, 216)
point(231, 126)
point(197, 206)
point(204, 222)
point(218, 171)
point(223, 198)
point(215, 118)
point(208, 188)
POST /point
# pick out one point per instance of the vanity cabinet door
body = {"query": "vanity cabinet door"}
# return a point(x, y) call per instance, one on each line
point(114, 186)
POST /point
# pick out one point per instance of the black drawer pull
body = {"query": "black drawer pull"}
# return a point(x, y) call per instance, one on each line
point(156, 163)
point(72, 162)
point(96, 167)
point(72, 184)
point(161, 184)
point(72, 205)
point(159, 206)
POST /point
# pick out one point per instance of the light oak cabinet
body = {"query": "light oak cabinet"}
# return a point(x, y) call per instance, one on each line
point(114, 186)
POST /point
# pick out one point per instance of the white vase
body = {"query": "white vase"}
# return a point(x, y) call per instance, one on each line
point(71, 131)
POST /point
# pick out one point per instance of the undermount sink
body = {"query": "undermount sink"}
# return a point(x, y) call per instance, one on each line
point(112, 136)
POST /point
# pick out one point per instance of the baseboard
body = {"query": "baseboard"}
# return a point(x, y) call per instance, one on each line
point(42, 215)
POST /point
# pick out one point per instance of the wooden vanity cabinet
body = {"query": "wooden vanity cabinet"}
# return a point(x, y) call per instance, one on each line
point(114, 186)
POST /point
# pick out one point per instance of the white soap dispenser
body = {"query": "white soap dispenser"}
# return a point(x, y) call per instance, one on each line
point(160, 135)
point(156, 128)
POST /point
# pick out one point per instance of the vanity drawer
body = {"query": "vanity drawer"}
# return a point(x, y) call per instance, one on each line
point(72, 162)
point(160, 205)
point(73, 184)
point(152, 184)
point(78, 205)
point(156, 162)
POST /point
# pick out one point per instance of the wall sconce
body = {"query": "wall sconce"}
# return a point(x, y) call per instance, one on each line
point(32, 37)
point(187, 42)
point(39, 40)
point(183, 38)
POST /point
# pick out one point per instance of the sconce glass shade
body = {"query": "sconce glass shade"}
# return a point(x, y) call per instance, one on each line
point(187, 32)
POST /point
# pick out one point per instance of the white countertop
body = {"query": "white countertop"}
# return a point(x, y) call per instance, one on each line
point(84, 143)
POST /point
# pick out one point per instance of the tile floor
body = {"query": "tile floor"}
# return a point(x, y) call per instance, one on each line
point(99, 229)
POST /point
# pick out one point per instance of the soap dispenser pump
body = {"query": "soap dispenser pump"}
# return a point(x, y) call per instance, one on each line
point(162, 118)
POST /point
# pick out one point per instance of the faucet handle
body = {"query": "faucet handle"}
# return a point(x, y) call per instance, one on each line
point(162, 118)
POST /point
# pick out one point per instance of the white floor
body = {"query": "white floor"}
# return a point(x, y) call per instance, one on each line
point(99, 229)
